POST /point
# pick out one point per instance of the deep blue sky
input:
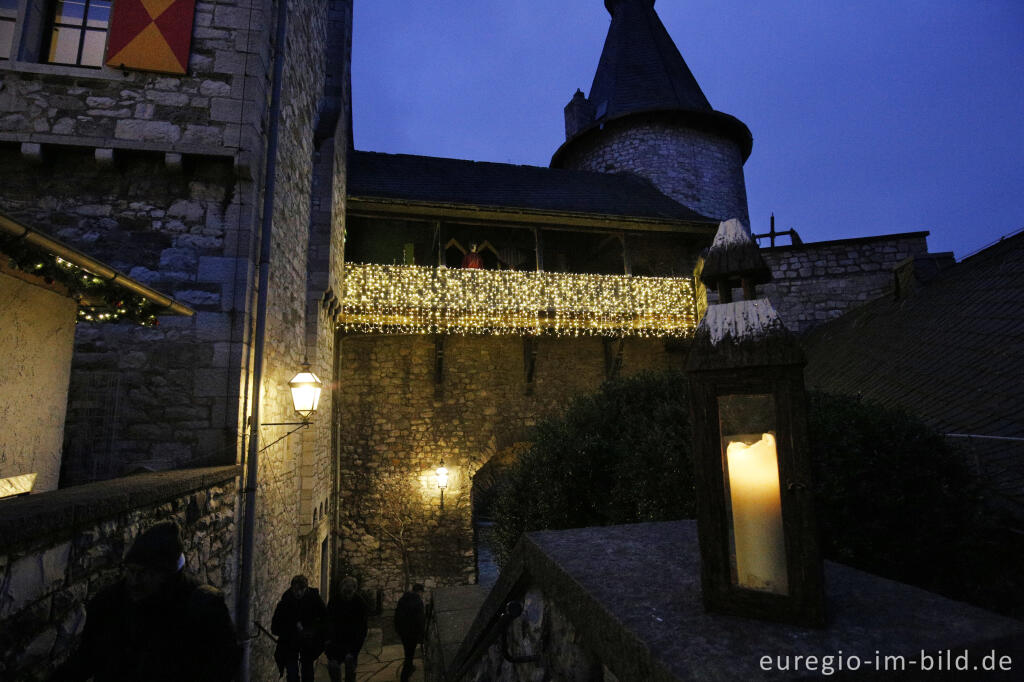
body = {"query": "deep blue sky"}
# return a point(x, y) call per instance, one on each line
point(869, 117)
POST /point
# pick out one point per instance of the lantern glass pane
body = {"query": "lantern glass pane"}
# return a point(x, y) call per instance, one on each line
point(750, 471)
point(306, 389)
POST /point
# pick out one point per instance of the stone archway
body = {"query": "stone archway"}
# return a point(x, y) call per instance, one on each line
point(482, 494)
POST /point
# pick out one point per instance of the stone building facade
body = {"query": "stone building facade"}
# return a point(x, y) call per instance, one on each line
point(400, 420)
point(169, 178)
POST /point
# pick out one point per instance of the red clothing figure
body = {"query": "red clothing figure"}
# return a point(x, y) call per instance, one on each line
point(473, 260)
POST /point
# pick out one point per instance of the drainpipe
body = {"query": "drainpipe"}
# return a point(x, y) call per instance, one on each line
point(245, 581)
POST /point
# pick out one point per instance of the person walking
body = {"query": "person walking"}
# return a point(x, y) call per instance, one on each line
point(156, 623)
point(299, 622)
point(410, 621)
point(346, 630)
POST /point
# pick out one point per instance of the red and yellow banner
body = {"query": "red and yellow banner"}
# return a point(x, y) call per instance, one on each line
point(151, 35)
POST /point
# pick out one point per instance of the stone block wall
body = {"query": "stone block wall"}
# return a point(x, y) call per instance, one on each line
point(216, 108)
point(817, 282)
point(396, 423)
point(58, 549)
point(156, 397)
point(700, 170)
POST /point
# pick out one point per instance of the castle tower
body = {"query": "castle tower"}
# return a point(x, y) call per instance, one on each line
point(646, 115)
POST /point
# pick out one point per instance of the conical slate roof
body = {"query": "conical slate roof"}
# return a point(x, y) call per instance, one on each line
point(641, 68)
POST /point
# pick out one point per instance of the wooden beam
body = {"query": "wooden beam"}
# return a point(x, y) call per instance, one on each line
point(529, 361)
point(613, 349)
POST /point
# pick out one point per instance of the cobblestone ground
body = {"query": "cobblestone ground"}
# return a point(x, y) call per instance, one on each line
point(378, 662)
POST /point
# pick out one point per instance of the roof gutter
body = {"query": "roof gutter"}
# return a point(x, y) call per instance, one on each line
point(76, 257)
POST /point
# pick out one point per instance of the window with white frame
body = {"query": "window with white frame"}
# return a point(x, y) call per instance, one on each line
point(78, 32)
point(8, 18)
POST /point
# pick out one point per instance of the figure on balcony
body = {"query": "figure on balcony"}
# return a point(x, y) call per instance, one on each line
point(473, 259)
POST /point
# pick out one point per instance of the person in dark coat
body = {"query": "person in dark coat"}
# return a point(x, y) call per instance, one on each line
point(346, 630)
point(156, 623)
point(410, 621)
point(299, 621)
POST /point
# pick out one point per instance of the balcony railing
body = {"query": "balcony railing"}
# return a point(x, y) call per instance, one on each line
point(411, 299)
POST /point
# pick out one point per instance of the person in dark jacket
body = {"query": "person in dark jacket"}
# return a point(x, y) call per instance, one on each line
point(156, 623)
point(410, 621)
point(298, 622)
point(346, 630)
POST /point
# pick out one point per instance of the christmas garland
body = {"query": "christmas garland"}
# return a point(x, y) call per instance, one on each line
point(99, 300)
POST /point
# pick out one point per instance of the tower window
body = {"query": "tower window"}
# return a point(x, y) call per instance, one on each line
point(8, 17)
point(78, 32)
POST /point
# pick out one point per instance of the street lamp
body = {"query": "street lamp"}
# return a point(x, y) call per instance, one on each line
point(442, 480)
point(755, 521)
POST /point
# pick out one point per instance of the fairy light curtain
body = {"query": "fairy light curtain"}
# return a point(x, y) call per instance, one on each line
point(410, 299)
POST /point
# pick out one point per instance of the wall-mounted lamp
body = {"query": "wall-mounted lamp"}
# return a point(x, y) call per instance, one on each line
point(306, 388)
point(442, 480)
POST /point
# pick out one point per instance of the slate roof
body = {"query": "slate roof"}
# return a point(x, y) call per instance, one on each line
point(952, 352)
point(641, 68)
point(501, 185)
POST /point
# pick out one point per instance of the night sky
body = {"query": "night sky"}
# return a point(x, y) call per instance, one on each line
point(870, 117)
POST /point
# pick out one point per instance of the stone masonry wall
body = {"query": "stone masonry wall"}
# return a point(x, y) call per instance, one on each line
point(817, 282)
point(396, 424)
point(542, 629)
point(158, 397)
point(216, 108)
point(700, 170)
point(58, 549)
point(287, 476)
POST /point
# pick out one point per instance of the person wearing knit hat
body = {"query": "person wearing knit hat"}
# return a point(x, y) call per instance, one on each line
point(157, 623)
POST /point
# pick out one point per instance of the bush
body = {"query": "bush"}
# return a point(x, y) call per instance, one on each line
point(893, 497)
point(621, 455)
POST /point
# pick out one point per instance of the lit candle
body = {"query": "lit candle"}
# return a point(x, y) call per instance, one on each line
point(757, 514)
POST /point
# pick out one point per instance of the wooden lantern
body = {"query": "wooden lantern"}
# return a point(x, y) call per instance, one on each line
point(755, 516)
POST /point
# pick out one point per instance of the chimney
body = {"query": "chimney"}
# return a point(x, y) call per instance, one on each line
point(579, 114)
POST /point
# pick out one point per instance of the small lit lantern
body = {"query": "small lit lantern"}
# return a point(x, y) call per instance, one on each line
point(755, 518)
point(442, 480)
point(306, 388)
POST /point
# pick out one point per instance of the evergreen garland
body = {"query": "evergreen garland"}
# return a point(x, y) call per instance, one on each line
point(99, 300)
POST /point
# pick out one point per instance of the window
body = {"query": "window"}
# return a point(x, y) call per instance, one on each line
point(8, 17)
point(78, 32)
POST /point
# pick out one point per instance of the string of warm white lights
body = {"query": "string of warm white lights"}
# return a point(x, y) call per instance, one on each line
point(411, 299)
point(99, 300)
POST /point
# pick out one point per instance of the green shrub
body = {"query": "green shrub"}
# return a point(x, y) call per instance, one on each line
point(618, 456)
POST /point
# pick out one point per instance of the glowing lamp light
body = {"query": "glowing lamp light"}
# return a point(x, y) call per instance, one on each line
point(442, 480)
point(306, 388)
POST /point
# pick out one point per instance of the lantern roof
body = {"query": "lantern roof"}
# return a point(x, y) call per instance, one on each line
point(734, 255)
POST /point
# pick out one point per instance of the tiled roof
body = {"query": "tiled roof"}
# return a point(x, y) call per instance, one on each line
point(640, 67)
point(473, 183)
point(952, 351)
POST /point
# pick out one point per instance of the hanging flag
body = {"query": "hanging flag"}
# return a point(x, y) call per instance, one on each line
point(151, 35)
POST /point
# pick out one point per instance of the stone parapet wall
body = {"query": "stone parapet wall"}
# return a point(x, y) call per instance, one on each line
point(817, 282)
point(58, 549)
point(700, 170)
point(397, 423)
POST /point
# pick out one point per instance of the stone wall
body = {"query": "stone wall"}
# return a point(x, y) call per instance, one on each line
point(545, 631)
point(396, 423)
point(58, 549)
point(37, 331)
point(700, 170)
point(817, 282)
point(215, 108)
point(158, 397)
